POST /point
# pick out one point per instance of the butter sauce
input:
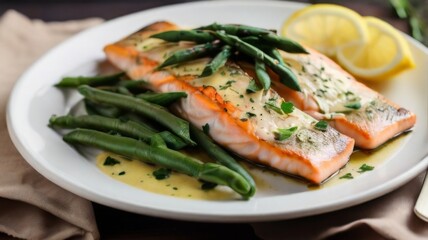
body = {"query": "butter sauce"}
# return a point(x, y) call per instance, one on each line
point(140, 175)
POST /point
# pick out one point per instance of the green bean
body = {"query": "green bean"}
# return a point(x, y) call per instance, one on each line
point(140, 106)
point(141, 120)
point(163, 99)
point(192, 53)
point(217, 62)
point(72, 82)
point(165, 157)
point(283, 43)
point(133, 85)
point(221, 156)
point(236, 29)
point(105, 124)
point(272, 41)
point(274, 53)
point(172, 140)
point(261, 74)
point(185, 35)
point(124, 91)
point(286, 75)
point(100, 109)
point(271, 51)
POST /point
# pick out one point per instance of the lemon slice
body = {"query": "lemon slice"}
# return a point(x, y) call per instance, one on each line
point(384, 55)
point(326, 27)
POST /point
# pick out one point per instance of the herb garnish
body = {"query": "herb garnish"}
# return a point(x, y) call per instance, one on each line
point(287, 107)
point(271, 105)
point(122, 173)
point(250, 114)
point(353, 105)
point(347, 176)
point(109, 161)
point(284, 133)
point(227, 85)
point(206, 128)
point(162, 173)
point(365, 168)
point(321, 125)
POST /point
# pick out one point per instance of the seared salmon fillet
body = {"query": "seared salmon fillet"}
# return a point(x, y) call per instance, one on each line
point(250, 124)
point(329, 92)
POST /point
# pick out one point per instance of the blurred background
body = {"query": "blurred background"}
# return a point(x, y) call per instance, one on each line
point(410, 16)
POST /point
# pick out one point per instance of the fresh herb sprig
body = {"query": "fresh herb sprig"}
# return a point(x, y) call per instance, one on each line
point(418, 25)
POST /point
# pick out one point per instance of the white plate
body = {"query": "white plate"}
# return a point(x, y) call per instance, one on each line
point(34, 100)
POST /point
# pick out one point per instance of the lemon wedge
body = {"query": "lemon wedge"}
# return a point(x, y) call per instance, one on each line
point(326, 28)
point(367, 47)
point(386, 53)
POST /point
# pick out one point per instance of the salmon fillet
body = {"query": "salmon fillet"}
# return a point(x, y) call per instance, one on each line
point(245, 123)
point(329, 92)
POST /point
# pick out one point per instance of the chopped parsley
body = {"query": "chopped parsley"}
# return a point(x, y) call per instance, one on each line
point(321, 125)
point(206, 128)
point(250, 114)
point(284, 133)
point(365, 168)
point(347, 176)
point(122, 173)
point(253, 87)
point(227, 85)
point(353, 105)
point(252, 100)
point(241, 96)
point(161, 173)
point(287, 107)
point(272, 106)
point(109, 161)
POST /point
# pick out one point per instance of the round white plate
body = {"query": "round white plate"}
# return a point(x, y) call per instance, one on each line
point(34, 100)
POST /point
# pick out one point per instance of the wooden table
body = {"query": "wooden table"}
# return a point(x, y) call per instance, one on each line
point(116, 224)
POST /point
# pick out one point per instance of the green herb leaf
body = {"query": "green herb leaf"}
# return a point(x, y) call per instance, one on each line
point(162, 173)
point(353, 105)
point(321, 125)
point(287, 107)
point(271, 105)
point(365, 168)
point(283, 134)
point(122, 173)
point(347, 176)
point(227, 85)
point(253, 87)
point(206, 128)
point(250, 114)
point(109, 161)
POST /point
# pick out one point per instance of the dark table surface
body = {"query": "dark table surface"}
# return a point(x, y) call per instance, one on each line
point(117, 224)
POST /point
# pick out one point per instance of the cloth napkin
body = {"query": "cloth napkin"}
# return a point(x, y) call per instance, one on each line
point(388, 217)
point(32, 207)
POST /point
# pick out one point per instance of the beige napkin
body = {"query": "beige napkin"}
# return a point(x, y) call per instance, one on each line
point(388, 217)
point(31, 207)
